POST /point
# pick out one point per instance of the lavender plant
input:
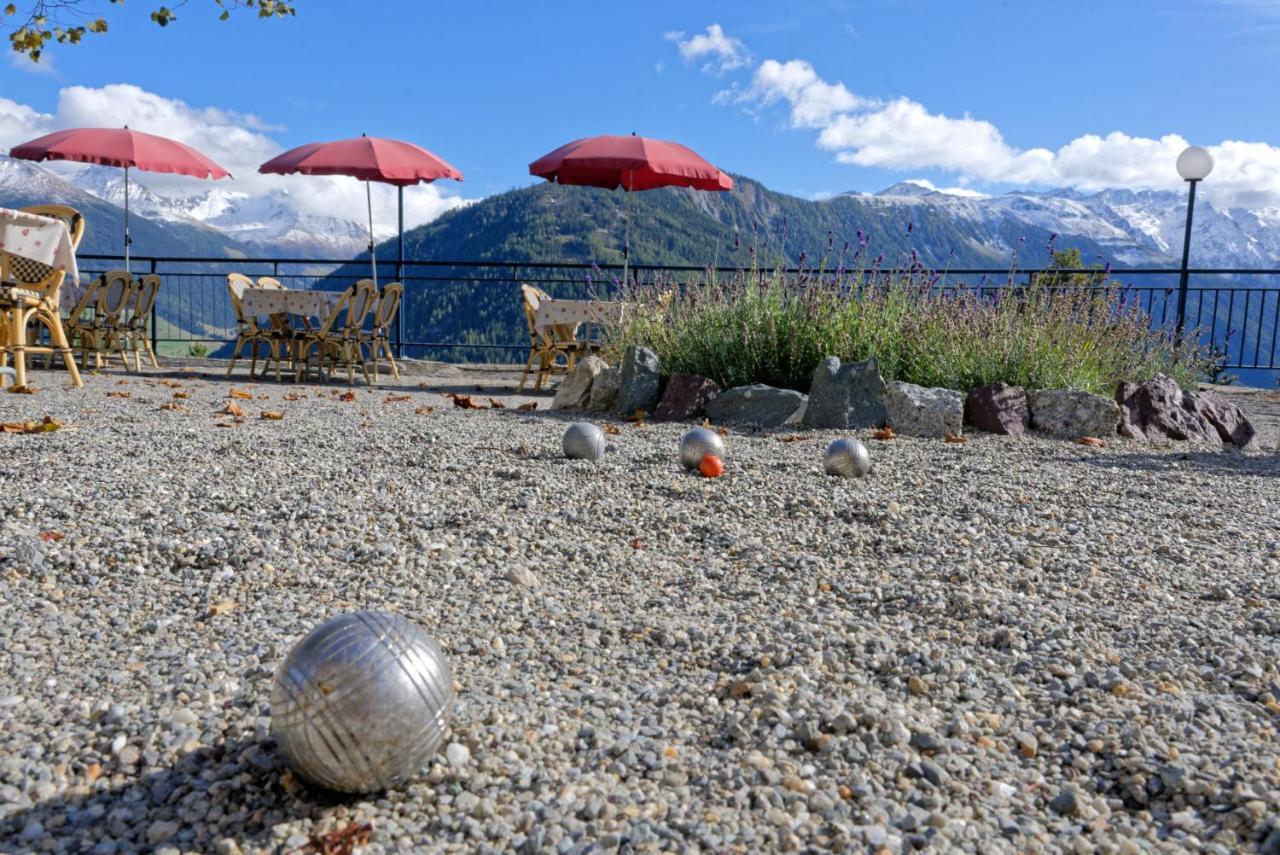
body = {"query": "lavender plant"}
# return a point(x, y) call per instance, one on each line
point(1073, 330)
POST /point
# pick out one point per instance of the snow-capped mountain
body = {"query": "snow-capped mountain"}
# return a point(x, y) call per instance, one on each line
point(268, 224)
point(1132, 227)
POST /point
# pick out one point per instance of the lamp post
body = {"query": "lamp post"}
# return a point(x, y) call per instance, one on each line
point(1194, 165)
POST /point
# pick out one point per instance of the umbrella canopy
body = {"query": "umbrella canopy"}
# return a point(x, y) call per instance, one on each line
point(369, 159)
point(366, 158)
point(632, 163)
point(121, 147)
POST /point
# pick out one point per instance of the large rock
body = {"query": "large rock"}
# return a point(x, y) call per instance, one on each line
point(604, 390)
point(685, 397)
point(918, 411)
point(1232, 424)
point(1161, 409)
point(574, 390)
point(998, 408)
point(640, 383)
point(846, 396)
point(1072, 413)
point(759, 405)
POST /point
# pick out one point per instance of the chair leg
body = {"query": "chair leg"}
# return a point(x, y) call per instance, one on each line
point(58, 338)
point(524, 378)
point(235, 354)
point(146, 342)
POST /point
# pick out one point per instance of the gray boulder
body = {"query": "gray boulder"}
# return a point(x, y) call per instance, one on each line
point(846, 396)
point(574, 390)
point(760, 405)
point(918, 411)
point(1072, 413)
point(604, 390)
point(640, 384)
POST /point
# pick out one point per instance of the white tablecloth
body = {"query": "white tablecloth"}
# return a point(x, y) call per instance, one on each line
point(43, 239)
point(554, 312)
point(262, 302)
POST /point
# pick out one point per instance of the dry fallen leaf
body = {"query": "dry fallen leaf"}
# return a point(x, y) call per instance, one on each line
point(93, 772)
point(395, 399)
point(272, 415)
point(48, 425)
point(171, 384)
point(496, 404)
point(343, 841)
point(347, 397)
point(294, 396)
point(1091, 441)
point(243, 396)
point(464, 402)
point(637, 416)
point(612, 430)
point(795, 437)
point(954, 438)
point(233, 409)
point(425, 411)
point(221, 608)
point(119, 394)
point(637, 544)
point(531, 405)
point(885, 432)
point(23, 390)
point(52, 536)
point(173, 405)
point(181, 396)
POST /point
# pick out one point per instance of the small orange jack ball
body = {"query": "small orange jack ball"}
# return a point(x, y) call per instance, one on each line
point(711, 467)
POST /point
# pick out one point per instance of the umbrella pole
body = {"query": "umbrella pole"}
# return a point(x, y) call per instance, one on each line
point(373, 257)
point(127, 241)
point(626, 229)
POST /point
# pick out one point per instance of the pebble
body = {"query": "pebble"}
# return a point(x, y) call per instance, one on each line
point(993, 647)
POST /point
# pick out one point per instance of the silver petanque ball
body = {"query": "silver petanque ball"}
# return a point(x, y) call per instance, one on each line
point(847, 458)
point(697, 444)
point(360, 703)
point(583, 441)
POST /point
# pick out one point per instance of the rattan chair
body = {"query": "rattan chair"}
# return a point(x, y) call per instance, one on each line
point(249, 331)
point(107, 329)
point(378, 338)
point(549, 344)
point(346, 350)
point(31, 299)
point(139, 323)
point(324, 340)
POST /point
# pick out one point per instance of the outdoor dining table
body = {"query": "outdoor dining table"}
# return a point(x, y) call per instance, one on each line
point(46, 240)
point(602, 313)
point(264, 302)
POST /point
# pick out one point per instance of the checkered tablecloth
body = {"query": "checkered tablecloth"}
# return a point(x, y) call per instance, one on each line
point(263, 302)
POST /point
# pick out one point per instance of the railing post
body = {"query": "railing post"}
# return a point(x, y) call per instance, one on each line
point(155, 331)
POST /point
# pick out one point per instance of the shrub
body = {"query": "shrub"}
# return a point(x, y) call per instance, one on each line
point(198, 350)
point(774, 326)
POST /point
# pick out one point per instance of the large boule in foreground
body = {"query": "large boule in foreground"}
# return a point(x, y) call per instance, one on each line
point(360, 703)
point(697, 444)
point(583, 441)
point(847, 458)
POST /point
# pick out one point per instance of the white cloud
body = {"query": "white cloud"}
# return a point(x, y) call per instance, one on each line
point(813, 101)
point(237, 141)
point(903, 134)
point(22, 62)
point(721, 52)
point(950, 191)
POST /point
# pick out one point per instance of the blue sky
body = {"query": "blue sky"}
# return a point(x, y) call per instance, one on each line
point(887, 86)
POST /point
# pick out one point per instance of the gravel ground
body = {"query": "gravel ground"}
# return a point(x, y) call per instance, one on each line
point(1001, 646)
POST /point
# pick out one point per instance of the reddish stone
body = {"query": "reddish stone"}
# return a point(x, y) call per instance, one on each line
point(1160, 409)
point(685, 397)
point(1233, 426)
point(998, 408)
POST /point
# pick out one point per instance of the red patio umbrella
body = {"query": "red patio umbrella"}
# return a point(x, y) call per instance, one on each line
point(369, 159)
point(632, 163)
point(121, 147)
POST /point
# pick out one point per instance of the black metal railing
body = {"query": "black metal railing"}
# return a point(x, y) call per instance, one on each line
point(1236, 310)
